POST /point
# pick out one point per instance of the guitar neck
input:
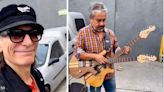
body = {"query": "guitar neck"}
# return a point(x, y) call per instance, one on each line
point(123, 59)
point(94, 63)
point(130, 44)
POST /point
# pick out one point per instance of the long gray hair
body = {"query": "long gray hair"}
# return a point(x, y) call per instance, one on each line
point(97, 7)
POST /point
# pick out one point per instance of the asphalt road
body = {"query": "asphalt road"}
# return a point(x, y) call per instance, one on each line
point(62, 87)
point(136, 77)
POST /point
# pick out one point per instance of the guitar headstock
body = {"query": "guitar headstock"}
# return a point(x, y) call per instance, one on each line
point(145, 58)
point(144, 34)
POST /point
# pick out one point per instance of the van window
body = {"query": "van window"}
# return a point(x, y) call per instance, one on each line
point(56, 50)
point(79, 23)
point(41, 54)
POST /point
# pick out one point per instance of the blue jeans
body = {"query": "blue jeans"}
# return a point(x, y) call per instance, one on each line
point(109, 85)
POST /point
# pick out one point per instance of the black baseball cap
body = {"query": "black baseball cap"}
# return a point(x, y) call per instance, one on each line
point(15, 15)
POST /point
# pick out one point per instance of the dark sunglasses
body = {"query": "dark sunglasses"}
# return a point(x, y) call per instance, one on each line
point(17, 35)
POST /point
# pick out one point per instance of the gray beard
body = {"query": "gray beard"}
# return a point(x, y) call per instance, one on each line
point(99, 30)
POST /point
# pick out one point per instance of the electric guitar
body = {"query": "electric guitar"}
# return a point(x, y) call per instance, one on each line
point(142, 35)
point(97, 76)
point(78, 68)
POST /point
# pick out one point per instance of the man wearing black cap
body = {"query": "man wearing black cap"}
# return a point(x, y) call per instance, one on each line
point(19, 36)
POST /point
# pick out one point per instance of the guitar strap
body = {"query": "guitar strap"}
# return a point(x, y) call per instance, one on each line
point(107, 41)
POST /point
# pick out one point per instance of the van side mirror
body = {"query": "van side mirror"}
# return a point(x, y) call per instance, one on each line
point(53, 60)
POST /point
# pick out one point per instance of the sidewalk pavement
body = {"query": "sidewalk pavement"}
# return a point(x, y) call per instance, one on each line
point(137, 77)
point(62, 87)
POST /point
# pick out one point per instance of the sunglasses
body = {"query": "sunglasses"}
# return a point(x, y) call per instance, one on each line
point(17, 35)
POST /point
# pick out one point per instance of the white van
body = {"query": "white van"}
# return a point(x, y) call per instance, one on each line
point(76, 21)
point(51, 57)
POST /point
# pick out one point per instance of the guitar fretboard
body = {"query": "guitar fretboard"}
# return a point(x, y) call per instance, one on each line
point(110, 61)
point(130, 44)
point(118, 60)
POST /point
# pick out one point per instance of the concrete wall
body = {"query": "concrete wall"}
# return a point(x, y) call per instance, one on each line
point(83, 7)
point(133, 16)
point(46, 10)
point(127, 18)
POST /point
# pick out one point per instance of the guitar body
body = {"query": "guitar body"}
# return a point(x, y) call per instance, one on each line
point(76, 71)
point(92, 77)
point(97, 80)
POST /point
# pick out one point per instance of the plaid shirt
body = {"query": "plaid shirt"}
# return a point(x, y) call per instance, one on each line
point(88, 41)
